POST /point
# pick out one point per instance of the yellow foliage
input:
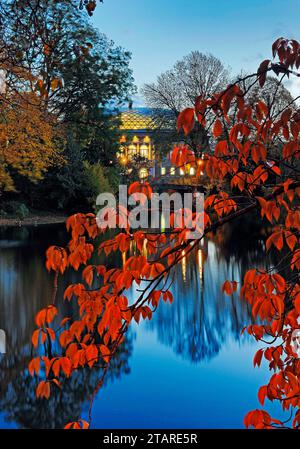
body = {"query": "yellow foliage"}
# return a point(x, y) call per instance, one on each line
point(27, 140)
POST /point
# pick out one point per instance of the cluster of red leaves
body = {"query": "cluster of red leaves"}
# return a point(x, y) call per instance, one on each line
point(245, 179)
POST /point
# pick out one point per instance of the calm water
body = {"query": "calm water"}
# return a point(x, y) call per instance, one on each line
point(187, 368)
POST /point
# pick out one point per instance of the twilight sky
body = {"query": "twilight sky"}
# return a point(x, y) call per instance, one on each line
point(159, 32)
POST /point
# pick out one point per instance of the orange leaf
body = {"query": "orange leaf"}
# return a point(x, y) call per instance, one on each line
point(35, 338)
point(43, 390)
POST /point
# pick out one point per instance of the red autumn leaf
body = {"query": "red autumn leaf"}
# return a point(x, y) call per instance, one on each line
point(66, 366)
point(34, 366)
point(105, 352)
point(81, 424)
point(91, 353)
point(43, 390)
point(258, 357)
point(46, 315)
point(229, 287)
point(297, 304)
point(35, 338)
point(275, 239)
point(186, 120)
point(262, 72)
point(262, 393)
point(218, 128)
point(87, 274)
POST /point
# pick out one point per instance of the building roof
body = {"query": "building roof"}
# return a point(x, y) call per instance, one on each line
point(137, 119)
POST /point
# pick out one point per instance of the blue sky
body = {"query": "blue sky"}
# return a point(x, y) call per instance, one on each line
point(160, 32)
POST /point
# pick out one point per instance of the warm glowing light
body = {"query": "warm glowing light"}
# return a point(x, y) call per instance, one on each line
point(181, 171)
point(132, 150)
point(183, 266)
point(172, 171)
point(192, 171)
point(144, 151)
point(145, 249)
point(134, 120)
point(200, 263)
point(163, 170)
point(143, 173)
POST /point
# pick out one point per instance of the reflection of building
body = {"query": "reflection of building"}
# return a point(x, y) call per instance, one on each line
point(138, 127)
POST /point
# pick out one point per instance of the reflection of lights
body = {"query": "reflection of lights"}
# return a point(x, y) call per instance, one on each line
point(144, 249)
point(183, 266)
point(132, 246)
point(200, 263)
point(124, 257)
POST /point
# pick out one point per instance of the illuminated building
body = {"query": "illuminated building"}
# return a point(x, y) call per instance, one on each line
point(138, 127)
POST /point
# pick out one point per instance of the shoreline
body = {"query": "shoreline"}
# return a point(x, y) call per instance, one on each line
point(35, 220)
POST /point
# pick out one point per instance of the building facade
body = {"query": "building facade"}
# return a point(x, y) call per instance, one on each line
point(138, 126)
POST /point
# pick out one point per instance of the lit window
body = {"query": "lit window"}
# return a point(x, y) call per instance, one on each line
point(144, 151)
point(143, 173)
point(181, 171)
point(131, 150)
point(172, 171)
point(163, 170)
point(192, 171)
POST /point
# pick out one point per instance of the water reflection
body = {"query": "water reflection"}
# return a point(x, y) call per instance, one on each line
point(198, 323)
point(201, 318)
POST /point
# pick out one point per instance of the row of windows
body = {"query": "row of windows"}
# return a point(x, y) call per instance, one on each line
point(172, 171)
point(144, 172)
point(143, 150)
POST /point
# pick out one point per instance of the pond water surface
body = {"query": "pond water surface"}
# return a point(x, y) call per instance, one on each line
point(187, 368)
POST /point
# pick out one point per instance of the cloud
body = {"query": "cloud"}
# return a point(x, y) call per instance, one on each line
point(293, 85)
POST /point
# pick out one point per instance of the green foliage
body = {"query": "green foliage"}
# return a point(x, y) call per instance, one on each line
point(82, 76)
point(94, 182)
point(14, 209)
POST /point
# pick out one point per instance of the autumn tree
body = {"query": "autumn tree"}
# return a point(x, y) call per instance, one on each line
point(27, 140)
point(80, 77)
point(258, 183)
